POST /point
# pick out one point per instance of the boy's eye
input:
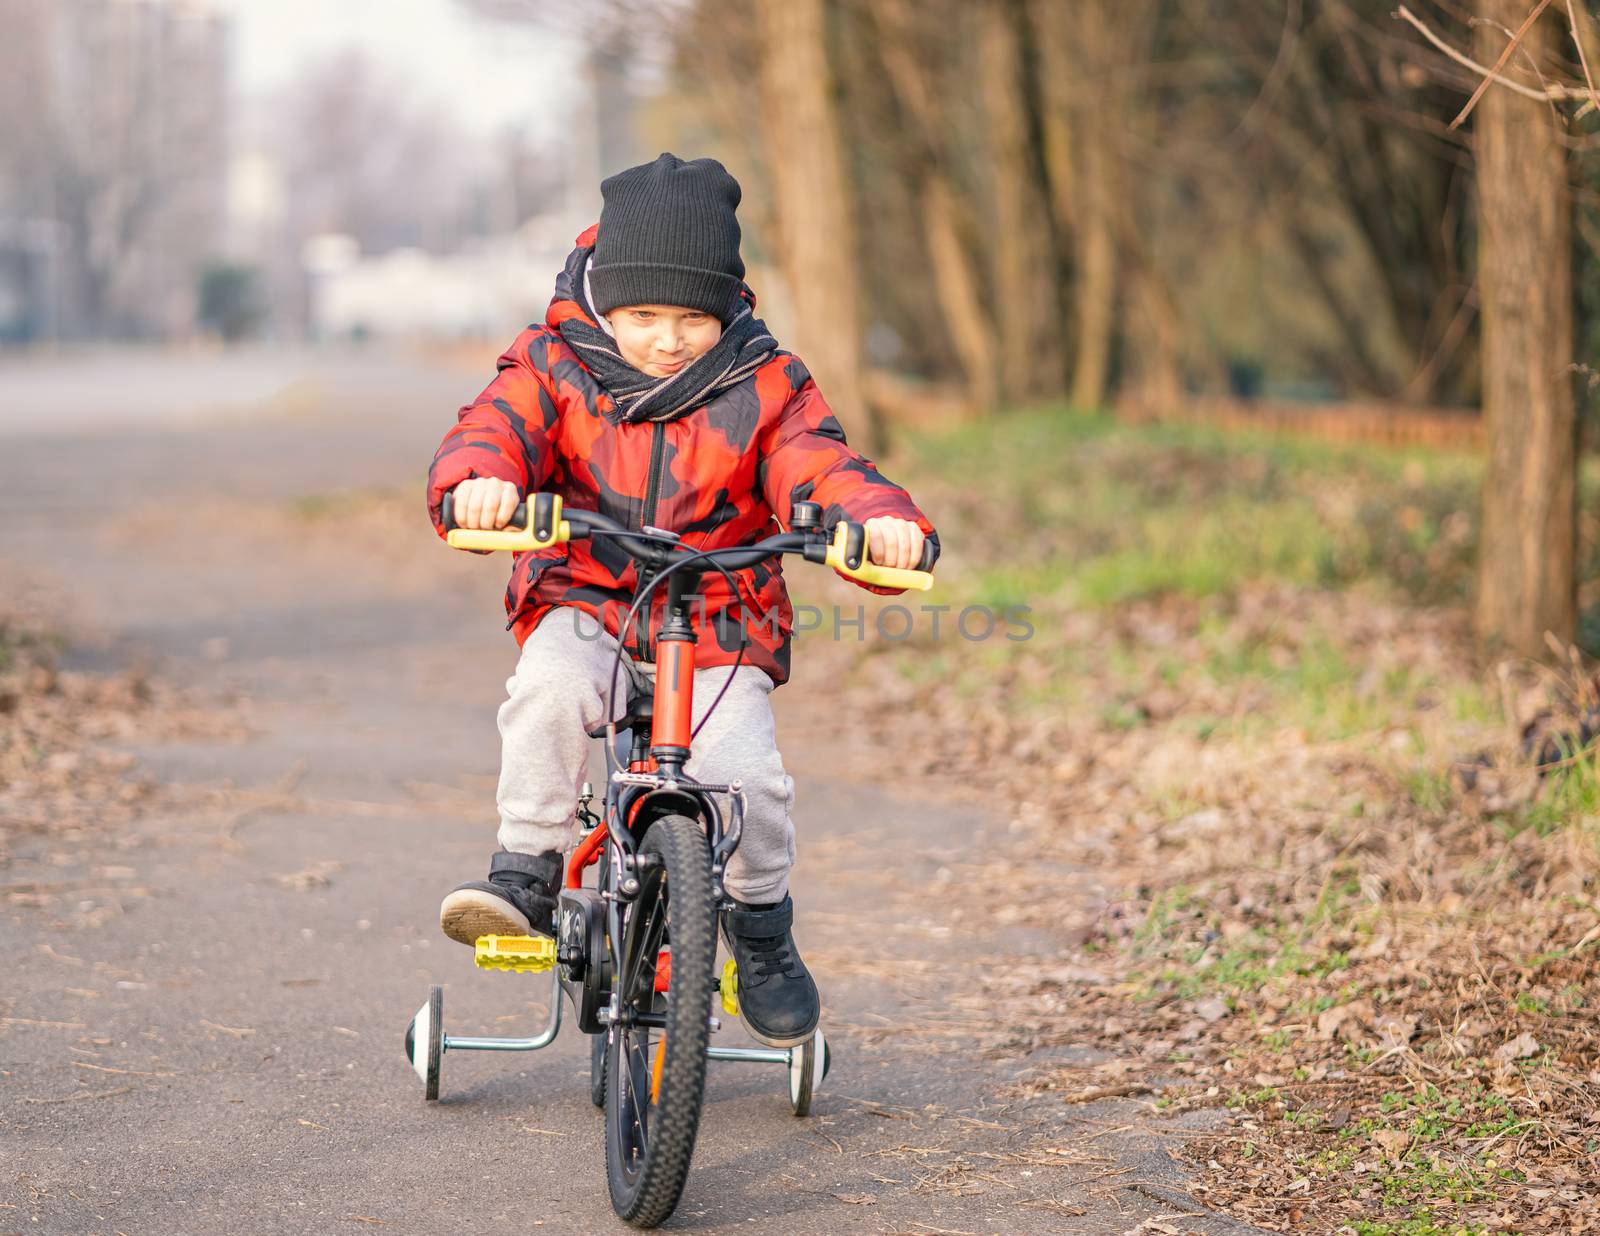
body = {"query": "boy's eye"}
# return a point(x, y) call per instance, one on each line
point(642, 315)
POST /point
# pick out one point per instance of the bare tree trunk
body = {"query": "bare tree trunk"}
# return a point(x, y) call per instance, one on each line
point(1077, 47)
point(1526, 584)
point(1154, 333)
point(1097, 259)
point(956, 277)
point(816, 216)
point(1027, 305)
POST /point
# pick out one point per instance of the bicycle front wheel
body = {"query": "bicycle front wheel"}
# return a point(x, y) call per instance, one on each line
point(656, 1065)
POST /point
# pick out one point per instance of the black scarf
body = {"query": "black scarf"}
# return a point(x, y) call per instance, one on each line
point(744, 347)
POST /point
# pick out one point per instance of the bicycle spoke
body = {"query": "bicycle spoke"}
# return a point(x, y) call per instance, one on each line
point(643, 948)
point(636, 1110)
point(643, 936)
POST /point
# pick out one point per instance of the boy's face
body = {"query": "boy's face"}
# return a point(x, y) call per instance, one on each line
point(662, 339)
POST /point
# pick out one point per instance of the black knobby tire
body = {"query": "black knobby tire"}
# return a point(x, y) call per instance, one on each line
point(649, 1143)
point(597, 1069)
point(597, 1042)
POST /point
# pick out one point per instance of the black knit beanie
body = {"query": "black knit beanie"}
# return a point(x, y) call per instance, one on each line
point(668, 236)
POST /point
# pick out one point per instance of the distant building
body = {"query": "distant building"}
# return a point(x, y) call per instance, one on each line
point(495, 284)
point(490, 290)
point(114, 124)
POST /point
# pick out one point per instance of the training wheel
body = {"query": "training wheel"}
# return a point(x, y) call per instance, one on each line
point(425, 1042)
point(808, 1065)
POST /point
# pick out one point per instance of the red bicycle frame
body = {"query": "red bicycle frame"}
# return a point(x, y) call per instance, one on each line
point(671, 714)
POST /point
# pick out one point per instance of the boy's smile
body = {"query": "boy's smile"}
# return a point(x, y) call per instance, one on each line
point(660, 340)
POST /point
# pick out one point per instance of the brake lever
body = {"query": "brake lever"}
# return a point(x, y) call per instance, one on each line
point(538, 527)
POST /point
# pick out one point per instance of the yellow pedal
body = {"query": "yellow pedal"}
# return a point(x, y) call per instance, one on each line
point(532, 954)
point(730, 988)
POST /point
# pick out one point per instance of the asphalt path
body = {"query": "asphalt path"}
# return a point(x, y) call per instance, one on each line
point(200, 1028)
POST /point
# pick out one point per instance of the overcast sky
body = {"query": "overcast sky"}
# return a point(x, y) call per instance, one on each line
point(490, 74)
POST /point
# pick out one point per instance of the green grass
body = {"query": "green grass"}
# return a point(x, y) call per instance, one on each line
point(1569, 797)
point(21, 644)
point(1241, 964)
point(1080, 513)
point(1204, 553)
point(1431, 1172)
point(1254, 962)
point(1432, 1114)
point(1096, 512)
point(1145, 510)
point(1086, 513)
point(1428, 789)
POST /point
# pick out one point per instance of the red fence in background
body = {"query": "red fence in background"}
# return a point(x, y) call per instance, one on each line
point(1386, 423)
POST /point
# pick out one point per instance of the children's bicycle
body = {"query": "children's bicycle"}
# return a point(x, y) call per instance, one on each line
point(635, 950)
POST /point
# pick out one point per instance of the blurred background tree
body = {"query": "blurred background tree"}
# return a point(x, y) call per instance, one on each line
point(1178, 208)
point(1165, 202)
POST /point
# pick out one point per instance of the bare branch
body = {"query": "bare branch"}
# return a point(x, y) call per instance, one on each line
point(1288, 42)
point(1583, 57)
point(1550, 94)
point(1527, 24)
point(1533, 64)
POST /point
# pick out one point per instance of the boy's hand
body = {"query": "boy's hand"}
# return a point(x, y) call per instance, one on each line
point(893, 542)
point(485, 502)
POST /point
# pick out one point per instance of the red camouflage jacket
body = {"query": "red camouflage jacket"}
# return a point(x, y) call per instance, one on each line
point(722, 475)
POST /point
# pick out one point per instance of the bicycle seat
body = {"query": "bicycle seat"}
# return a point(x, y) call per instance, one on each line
point(640, 710)
point(641, 703)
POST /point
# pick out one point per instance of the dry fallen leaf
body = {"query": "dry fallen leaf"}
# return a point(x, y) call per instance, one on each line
point(1211, 1009)
point(1341, 1020)
point(1393, 1142)
point(1395, 1029)
point(1519, 1048)
point(318, 875)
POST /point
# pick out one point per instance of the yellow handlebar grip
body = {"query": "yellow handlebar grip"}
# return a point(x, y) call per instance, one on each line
point(516, 539)
point(871, 572)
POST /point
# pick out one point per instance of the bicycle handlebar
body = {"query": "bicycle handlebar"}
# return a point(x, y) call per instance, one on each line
point(845, 551)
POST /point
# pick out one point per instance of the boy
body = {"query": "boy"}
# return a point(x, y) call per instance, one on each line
point(654, 395)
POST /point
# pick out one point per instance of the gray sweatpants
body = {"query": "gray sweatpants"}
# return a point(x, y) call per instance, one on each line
point(559, 692)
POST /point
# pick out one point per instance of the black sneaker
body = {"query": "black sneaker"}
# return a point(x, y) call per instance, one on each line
point(777, 997)
point(518, 899)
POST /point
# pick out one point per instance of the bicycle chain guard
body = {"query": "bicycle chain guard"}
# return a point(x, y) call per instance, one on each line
point(581, 954)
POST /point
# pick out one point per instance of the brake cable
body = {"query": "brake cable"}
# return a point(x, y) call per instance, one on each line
point(644, 594)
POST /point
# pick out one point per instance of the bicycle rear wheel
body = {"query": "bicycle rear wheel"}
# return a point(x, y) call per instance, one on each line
point(656, 1065)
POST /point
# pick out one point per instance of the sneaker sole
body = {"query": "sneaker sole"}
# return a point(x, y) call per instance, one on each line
point(469, 913)
point(788, 1042)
